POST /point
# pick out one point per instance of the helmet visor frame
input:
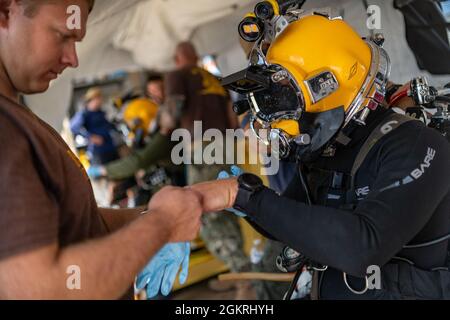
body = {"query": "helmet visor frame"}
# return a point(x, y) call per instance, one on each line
point(280, 99)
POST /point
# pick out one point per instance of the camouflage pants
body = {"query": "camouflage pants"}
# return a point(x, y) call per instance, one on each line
point(270, 290)
point(221, 231)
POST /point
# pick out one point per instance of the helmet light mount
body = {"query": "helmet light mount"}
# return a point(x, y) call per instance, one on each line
point(264, 10)
point(251, 29)
point(268, 19)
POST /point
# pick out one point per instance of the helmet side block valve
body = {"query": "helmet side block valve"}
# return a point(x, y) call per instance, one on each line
point(362, 116)
point(378, 39)
point(303, 140)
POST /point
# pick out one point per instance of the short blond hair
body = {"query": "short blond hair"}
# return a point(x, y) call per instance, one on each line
point(94, 92)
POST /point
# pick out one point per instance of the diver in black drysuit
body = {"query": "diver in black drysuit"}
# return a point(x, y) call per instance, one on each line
point(402, 196)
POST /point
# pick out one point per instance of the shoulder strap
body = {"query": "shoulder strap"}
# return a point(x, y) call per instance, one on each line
point(388, 125)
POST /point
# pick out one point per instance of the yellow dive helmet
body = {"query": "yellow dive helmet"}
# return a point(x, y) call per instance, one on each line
point(309, 77)
point(139, 114)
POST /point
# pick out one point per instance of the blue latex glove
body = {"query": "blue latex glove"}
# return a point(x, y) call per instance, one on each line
point(235, 172)
point(94, 172)
point(162, 270)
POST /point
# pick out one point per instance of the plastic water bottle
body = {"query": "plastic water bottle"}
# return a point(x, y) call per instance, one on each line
point(257, 251)
point(304, 285)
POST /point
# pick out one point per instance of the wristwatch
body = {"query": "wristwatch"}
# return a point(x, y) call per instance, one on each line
point(249, 184)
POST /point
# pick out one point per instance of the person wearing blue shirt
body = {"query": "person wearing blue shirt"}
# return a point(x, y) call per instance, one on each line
point(91, 123)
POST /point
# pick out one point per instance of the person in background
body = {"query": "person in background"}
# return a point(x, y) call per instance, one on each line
point(91, 123)
point(154, 159)
point(155, 88)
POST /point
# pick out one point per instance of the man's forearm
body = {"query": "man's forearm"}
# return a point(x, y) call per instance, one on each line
point(115, 219)
point(107, 265)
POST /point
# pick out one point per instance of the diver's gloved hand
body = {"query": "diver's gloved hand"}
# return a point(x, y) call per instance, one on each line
point(235, 172)
point(162, 270)
point(95, 172)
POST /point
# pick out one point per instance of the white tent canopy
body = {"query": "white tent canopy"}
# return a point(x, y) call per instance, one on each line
point(134, 34)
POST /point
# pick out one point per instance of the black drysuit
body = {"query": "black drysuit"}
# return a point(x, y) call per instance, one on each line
point(402, 196)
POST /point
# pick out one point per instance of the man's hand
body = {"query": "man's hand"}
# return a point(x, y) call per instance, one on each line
point(235, 172)
point(217, 195)
point(180, 211)
point(404, 102)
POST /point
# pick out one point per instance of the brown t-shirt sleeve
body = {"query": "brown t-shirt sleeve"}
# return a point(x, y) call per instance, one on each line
point(28, 213)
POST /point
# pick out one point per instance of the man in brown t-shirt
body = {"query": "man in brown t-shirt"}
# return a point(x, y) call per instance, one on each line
point(49, 221)
point(197, 94)
point(193, 94)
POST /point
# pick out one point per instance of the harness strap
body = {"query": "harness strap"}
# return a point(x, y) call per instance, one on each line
point(389, 124)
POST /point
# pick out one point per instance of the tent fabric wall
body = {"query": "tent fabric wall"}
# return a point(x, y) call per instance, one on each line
point(152, 31)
